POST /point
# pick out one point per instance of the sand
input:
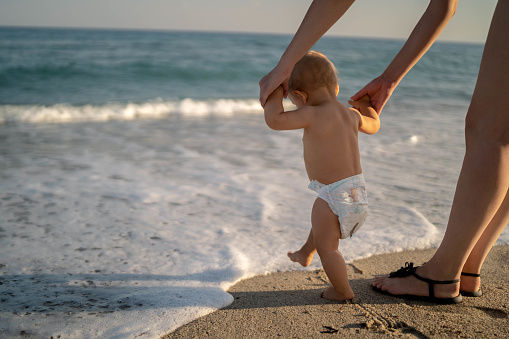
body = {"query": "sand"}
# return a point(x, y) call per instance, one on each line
point(288, 305)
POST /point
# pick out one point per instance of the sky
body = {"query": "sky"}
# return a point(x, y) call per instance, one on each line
point(366, 18)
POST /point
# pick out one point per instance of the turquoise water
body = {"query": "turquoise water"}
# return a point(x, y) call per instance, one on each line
point(47, 66)
point(79, 67)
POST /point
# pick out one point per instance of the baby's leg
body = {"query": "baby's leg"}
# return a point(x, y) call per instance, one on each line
point(306, 253)
point(326, 233)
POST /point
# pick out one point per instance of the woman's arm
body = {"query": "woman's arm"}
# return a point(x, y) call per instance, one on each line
point(321, 15)
point(427, 30)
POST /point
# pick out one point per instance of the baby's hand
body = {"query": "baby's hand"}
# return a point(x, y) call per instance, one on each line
point(361, 103)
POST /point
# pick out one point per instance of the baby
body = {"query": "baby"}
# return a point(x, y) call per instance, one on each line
point(332, 159)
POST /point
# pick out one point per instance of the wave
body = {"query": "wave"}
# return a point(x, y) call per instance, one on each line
point(67, 113)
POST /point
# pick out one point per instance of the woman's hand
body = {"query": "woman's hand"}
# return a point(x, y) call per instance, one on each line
point(271, 81)
point(379, 91)
point(321, 15)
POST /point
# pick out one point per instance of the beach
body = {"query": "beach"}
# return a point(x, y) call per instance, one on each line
point(139, 181)
point(288, 305)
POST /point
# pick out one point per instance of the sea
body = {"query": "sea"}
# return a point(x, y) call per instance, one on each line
point(138, 180)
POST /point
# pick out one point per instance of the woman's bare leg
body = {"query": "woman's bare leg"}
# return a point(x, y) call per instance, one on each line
point(483, 246)
point(306, 252)
point(483, 182)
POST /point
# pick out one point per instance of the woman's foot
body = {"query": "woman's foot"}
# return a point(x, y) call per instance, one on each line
point(303, 258)
point(331, 294)
point(411, 286)
point(470, 285)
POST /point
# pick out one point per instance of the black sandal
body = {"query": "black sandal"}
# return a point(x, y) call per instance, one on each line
point(477, 293)
point(408, 270)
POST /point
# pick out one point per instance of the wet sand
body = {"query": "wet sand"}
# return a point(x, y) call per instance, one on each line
point(288, 305)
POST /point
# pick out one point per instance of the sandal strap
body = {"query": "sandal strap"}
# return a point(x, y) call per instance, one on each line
point(476, 275)
point(431, 283)
point(409, 269)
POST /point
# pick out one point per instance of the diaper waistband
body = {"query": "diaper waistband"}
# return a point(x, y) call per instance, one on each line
point(355, 181)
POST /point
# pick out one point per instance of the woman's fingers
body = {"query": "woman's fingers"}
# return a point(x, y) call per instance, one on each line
point(269, 83)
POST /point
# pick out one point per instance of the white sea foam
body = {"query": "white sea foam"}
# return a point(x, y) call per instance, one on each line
point(65, 113)
point(133, 228)
point(414, 139)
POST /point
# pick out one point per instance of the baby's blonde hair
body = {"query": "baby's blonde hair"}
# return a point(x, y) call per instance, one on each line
point(313, 71)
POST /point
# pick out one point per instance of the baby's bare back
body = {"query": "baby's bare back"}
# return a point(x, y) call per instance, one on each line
point(331, 150)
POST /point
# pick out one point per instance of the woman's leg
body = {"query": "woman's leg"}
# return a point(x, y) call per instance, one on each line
point(483, 246)
point(483, 182)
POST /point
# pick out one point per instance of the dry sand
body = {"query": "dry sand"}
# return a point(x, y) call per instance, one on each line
point(288, 305)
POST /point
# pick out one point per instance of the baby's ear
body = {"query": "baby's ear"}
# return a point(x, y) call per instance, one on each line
point(302, 95)
point(337, 90)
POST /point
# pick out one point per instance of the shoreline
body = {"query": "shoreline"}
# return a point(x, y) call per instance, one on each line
point(288, 305)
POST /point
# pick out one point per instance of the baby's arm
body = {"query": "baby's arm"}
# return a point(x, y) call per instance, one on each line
point(370, 121)
point(276, 118)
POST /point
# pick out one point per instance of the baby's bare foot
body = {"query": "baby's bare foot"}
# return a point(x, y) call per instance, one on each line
point(300, 257)
point(331, 294)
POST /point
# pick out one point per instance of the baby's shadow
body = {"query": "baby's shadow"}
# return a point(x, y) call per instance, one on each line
point(306, 296)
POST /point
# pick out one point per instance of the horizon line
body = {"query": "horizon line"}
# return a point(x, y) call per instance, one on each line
point(327, 35)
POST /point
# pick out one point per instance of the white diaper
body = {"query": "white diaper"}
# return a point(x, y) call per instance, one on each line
point(348, 200)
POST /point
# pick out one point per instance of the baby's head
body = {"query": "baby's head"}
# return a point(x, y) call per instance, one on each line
point(313, 71)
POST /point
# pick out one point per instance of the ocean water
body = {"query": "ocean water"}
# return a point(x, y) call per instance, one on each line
point(138, 180)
